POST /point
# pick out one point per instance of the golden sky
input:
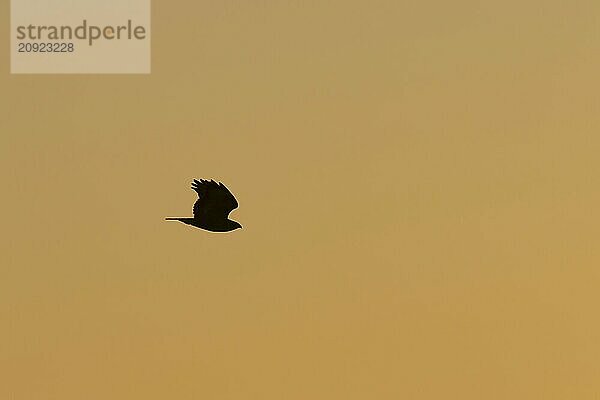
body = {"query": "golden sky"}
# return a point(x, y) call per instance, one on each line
point(418, 185)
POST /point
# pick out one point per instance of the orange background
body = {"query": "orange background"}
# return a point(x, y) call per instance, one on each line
point(418, 186)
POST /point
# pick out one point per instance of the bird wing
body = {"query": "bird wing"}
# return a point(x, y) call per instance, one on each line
point(215, 201)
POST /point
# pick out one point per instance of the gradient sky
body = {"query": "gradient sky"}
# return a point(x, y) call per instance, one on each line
point(418, 185)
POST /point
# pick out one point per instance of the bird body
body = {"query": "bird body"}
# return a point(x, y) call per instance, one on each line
point(219, 226)
point(212, 208)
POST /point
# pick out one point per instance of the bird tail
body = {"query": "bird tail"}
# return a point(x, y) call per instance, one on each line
point(173, 219)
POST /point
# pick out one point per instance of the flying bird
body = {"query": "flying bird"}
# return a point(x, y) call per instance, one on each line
point(211, 210)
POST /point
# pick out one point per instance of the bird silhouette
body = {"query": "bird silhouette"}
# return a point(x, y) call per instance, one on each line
point(212, 208)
